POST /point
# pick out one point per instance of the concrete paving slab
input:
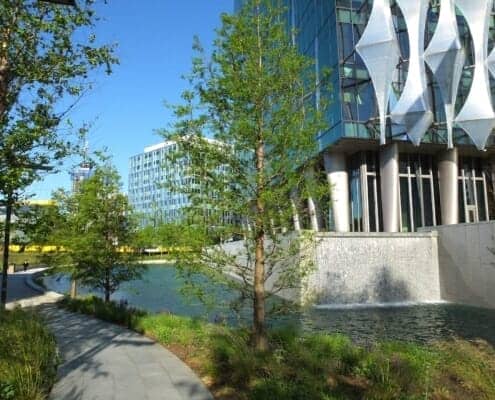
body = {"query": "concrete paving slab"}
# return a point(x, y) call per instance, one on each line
point(104, 361)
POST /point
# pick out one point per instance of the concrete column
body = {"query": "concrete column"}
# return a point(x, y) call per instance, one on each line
point(295, 214)
point(338, 180)
point(449, 186)
point(389, 177)
point(313, 216)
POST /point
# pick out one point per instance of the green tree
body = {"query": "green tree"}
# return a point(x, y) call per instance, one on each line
point(34, 224)
point(47, 53)
point(97, 233)
point(255, 100)
point(153, 236)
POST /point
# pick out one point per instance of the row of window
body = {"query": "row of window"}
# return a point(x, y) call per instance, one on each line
point(418, 192)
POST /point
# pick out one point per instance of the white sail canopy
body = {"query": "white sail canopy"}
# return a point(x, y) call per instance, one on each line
point(477, 117)
point(413, 109)
point(379, 49)
point(446, 57)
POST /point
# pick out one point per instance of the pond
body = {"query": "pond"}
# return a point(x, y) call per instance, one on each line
point(159, 290)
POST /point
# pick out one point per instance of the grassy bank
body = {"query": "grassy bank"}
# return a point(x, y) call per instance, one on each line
point(27, 357)
point(312, 366)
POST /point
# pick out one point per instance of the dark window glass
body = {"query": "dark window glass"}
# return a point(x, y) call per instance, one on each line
point(372, 204)
point(462, 209)
point(371, 161)
point(427, 202)
point(480, 192)
point(416, 203)
point(356, 203)
point(404, 205)
point(469, 187)
point(425, 164)
point(403, 163)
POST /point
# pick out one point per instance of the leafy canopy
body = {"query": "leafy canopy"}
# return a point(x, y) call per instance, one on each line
point(246, 134)
point(47, 55)
point(97, 233)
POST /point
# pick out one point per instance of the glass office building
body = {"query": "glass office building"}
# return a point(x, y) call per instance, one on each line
point(79, 174)
point(148, 194)
point(410, 113)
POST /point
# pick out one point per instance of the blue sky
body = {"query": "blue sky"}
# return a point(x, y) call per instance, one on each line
point(154, 47)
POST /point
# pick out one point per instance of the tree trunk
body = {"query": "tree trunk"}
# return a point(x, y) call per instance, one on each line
point(107, 285)
point(6, 243)
point(73, 289)
point(260, 338)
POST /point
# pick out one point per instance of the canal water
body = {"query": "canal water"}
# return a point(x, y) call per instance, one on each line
point(159, 290)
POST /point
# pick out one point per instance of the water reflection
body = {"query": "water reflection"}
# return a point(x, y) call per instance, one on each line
point(160, 290)
point(420, 323)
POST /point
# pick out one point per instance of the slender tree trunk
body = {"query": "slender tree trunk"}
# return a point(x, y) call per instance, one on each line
point(260, 336)
point(6, 243)
point(107, 284)
point(73, 289)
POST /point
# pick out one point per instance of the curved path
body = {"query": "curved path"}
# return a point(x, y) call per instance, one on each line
point(104, 361)
point(23, 292)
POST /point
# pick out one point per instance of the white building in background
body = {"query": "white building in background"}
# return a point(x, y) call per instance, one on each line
point(148, 193)
point(79, 174)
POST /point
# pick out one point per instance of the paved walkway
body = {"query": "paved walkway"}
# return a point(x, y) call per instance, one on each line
point(22, 291)
point(102, 361)
point(17, 289)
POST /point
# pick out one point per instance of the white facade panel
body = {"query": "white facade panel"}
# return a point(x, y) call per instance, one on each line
point(477, 117)
point(413, 109)
point(379, 49)
point(446, 57)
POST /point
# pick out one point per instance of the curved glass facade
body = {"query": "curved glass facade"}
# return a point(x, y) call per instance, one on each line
point(329, 30)
point(440, 105)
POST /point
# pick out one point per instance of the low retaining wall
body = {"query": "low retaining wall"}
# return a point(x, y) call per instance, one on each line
point(467, 263)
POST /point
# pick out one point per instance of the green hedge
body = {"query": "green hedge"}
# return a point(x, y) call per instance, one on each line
point(28, 357)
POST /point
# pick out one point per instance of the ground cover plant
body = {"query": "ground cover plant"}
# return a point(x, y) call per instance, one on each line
point(28, 361)
point(311, 366)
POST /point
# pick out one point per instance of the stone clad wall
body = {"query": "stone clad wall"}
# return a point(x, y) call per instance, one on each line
point(452, 263)
point(369, 268)
point(467, 266)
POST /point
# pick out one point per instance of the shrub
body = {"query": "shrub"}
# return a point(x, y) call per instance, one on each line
point(28, 361)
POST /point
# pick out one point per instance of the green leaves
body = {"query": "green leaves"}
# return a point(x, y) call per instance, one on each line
point(247, 132)
point(97, 231)
point(43, 63)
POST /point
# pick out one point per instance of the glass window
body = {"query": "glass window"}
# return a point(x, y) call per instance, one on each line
point(416, 203)
point(404, 205)
point(480, 192)
point(356, 204)
point(462, 207)
point(372, 204)
point(427, 203)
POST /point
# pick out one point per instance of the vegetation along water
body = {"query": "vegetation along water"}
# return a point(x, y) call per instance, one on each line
point(160, 290)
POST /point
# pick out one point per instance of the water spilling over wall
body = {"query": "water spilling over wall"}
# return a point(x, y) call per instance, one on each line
point(375, 268)
point(366, 268)
point(453, 263)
